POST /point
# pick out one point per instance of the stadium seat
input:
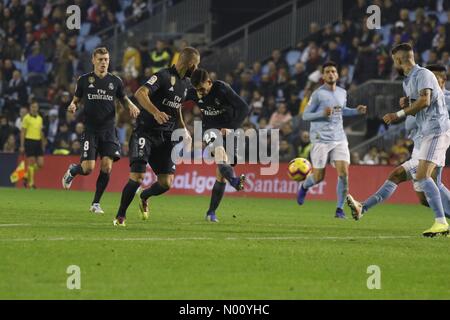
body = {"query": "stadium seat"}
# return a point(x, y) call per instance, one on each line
point(443, 18)
point(385, 32)
point(292, 57)
point(265, 69)
point(22, 67)
point(85, 29)
point(48, 67)
point(425, 55)
point(91, 43)
point(120, 16)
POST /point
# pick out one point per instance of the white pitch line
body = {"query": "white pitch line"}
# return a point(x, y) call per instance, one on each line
point(381, 237)
point(14, 225)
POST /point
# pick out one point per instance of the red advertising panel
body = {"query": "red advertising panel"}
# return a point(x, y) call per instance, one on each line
point(198, 179)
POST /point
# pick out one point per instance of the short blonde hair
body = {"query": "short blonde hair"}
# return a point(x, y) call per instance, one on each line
point(100, 50)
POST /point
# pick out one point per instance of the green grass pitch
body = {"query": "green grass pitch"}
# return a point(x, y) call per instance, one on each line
point(261, 249)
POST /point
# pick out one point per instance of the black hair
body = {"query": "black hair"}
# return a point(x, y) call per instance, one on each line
point(199, 76)
point(437, 68)
point(329, 64)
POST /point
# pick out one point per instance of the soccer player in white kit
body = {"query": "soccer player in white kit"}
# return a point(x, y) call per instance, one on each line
point(427, 103)
point(325, 110)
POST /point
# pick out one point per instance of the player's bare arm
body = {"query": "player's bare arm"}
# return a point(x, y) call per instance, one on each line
point(404, 102)
point(187, 139)
point(142, 96)
point(130, 106)
point(73, 105)
point(422, 102)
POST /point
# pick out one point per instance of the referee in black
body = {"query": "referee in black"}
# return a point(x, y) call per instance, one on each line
point(161, 98)
point(98, 91)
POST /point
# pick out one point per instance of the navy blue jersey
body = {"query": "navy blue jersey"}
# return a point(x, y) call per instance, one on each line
point(221, 108)
point(98, 95)
point(167, 92)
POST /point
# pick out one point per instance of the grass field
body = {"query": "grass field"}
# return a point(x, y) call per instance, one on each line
point(261, 249)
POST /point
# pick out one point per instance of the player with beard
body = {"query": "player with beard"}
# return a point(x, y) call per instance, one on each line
point(326, 110)
point(98, 90)
point(161, 98)
point(427, 104)
point(407, 171)
point(224, 110)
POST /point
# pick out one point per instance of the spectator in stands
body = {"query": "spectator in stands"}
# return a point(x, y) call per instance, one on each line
point(16, 92)
point(355, 158)
point(306, 96)
point(302, 145)
point(278, 58)
point(294, 103)
point(279, 117)
point(8, 69)
point(176, 54)
point(344, 80)
point(36, 67)
point(47, 47)
point(256, 73)
point(299, 77)
point(282, 87)
point(5, 129)
point(390, 13)
point(2, 90)
point(12, 49)
point(77, 135)
point(371, 158)
point(28, 45)
point(269, 107)
point(75, 147)
point(62, 139)
point(62, 148)
point(159, 57)
point(10, 146)
point(256, 106)
point(136, 12)
point(51, 128)
point(262, 123)
point(22, 113)
point(286, 151)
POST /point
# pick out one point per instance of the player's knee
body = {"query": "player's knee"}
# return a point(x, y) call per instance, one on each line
point(137, 177)
point(319, 176)
point(165, 183)
point(424, 202)
point(106, 169)
point(396, 176)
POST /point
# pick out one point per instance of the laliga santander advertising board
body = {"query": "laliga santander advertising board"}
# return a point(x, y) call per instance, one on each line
point(198, 179)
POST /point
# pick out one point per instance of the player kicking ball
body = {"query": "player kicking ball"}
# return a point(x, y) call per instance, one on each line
point(98, 91)
point(161, 98)
point(222, 109)
point(407, 171)
point(326, 110)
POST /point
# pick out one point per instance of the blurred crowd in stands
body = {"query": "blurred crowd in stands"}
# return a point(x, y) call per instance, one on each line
point(40, 60)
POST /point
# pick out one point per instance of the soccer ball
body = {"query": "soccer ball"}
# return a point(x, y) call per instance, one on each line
point(299, 168)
